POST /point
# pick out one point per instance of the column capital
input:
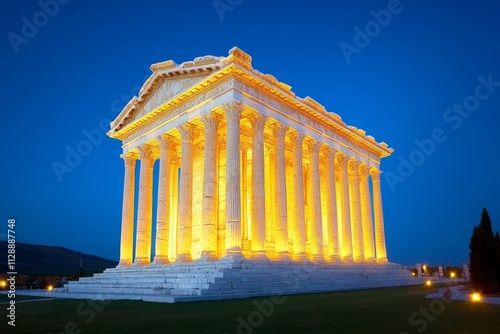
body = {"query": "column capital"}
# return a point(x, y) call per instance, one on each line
point(314, 146)
point(146, 153)
point(341, 159)
point(257, 121)
point(279, 131)
point(233, 110)
point(166, 142)
point(352, 165)
point(129, 158)
point(297, 138)
point(211, 119)
point(375, 174)
point(330, 152)
point(187, 132)
point(363, 170)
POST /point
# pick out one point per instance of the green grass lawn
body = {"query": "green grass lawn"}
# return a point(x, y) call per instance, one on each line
point(369, 311)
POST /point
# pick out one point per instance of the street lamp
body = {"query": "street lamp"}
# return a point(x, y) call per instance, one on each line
point(476, 297)
point(428, 283)
point(3, 284)
point(452, 275)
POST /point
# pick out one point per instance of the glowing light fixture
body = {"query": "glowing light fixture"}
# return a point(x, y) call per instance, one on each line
point(476, 297)
point(428, 283)
point(50, 288)
point(452, 275)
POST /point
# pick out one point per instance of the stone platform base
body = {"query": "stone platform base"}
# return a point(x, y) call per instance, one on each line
point(229, 279)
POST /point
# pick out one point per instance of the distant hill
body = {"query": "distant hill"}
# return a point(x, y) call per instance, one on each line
point(51, 260)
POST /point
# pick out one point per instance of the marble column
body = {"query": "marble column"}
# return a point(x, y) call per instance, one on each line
point(357, 235)
point(331, 195)
point(185, 217)
point(145, 207)
point(299, 237)
point(366, 214)
point(346, 246)
point(127, 233)
point(258, 187)
point(174, 203)
point(281, 245)
point(163, 207)
point(233, 178)
point(379, 217)
point(316, 214)
point(244, 195)
point(270, 195)
point(209, 205)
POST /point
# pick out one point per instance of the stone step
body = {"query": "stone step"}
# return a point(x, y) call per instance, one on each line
point(236, 279)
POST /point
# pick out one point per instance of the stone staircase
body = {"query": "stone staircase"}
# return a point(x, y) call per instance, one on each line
point(231, 279)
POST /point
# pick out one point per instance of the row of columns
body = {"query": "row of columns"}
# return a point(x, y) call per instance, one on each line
point(349, 223)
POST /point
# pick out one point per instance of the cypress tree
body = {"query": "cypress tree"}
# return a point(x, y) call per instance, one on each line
point(482, 256)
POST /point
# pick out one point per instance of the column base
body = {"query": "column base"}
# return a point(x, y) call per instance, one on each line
point(334, 259)
point(382, 260)
point(370, 260)
point(183, 258)
point(161, 260)
point(234, 255)
point(317, 258)
point(141, 262)
point(259, 256)
point(347, 259)
point(283, 256)
point(208, 256)
point(124, 263)
point(300, 257)
point(359, 259)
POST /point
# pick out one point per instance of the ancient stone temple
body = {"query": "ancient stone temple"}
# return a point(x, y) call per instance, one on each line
point(254, 183)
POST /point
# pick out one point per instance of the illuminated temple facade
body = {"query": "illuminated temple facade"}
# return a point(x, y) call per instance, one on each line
point(245, 170)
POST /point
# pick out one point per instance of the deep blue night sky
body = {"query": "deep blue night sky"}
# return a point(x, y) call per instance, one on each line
point(400, 85)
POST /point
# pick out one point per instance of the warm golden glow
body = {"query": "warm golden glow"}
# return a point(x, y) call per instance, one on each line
point(428, 283)
point(424, 267)
point(231, 181)
point(452, 275)
point(413, 274)
point(50, 288)
point(476, 297)
point(3, 284)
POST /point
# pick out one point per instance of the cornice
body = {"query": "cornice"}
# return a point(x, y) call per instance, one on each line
point(217, 70)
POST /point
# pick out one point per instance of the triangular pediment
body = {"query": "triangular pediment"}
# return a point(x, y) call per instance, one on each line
point(167, 81)
point(167, 90)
